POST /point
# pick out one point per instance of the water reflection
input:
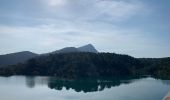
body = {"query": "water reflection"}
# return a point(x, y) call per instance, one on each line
point(166, 82)
point(85, 86)
point(50, 88)
point(88, 85)
point(30, 81)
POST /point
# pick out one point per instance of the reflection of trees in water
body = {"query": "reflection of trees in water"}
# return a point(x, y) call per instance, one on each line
point(30, 81)
point(87, 85)
point(163, 80)
point(167, 82)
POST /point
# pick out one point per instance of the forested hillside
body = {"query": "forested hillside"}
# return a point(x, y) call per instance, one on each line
point(85, 65)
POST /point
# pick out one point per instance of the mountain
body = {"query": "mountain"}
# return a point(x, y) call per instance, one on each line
point(66, 50)
point(88, 48)
point(85, 48)
point(75, 65)
point(21, 57)
point(82, 62)
point(90, 65)
point(14, 58)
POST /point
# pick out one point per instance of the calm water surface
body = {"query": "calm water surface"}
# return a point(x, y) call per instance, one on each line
point(48, 88)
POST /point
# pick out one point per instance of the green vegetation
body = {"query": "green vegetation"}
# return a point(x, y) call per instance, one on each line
point(90, 65)
point(158, 67)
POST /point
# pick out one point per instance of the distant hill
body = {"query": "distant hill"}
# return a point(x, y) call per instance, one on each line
point(75, 65)
point(82, 62)
point(14, 58)
point(85, 48)
point(90, 65)
point(21, 57)
point(88, 48)
point(66, 50)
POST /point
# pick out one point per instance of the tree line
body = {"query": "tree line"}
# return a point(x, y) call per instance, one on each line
point(90, 65)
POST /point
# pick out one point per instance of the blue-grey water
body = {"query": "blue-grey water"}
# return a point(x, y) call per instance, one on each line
point(48, 88)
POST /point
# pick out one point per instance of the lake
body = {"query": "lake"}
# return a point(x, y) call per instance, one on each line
point(50, 88)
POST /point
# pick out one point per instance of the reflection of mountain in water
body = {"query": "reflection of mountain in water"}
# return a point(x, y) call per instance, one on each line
point(88, 85)
point(30, 81)
point(167, 82)
point(85, 86)
point(164, 81)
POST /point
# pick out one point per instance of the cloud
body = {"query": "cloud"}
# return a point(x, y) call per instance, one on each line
point(112, 10)
point(56, 3)
point(53, 24)
point(45, 38)
point(118, 10)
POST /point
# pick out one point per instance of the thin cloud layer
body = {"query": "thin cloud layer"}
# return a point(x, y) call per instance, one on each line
point(121, 26)
point(113, 10)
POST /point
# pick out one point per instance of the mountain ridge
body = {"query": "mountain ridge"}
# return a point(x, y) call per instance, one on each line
point(84, 48)
point(17, 57)
point(88, 48)
point(90, 65)
point(21, 57)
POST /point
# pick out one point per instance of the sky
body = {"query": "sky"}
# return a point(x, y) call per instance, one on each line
point(140, 28)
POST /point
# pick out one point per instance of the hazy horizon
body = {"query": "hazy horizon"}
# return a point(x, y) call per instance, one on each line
point(139, 28)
